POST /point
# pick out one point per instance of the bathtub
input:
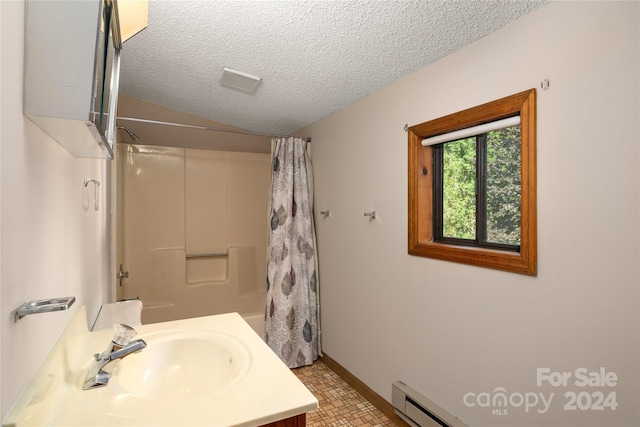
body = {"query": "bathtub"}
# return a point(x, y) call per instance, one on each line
point(186, 296)
point(130, 312)
point(157, 312)
point(256, 321)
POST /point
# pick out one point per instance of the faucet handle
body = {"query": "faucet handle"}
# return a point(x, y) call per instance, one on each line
point(123, 334)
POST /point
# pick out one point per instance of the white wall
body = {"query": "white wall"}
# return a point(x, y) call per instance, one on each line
point(53, 244)
point(448, 329)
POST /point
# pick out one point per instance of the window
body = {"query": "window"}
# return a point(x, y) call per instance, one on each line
point(472, 188)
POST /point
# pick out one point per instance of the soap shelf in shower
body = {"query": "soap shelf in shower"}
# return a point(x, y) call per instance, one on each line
point(42, 306)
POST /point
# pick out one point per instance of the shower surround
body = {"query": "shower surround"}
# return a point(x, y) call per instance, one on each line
point(193, 230)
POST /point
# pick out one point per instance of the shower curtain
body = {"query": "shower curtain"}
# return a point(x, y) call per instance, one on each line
point(291, 317)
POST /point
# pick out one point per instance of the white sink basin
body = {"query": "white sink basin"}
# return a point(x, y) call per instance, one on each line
point(183, 366)
point(212, 370)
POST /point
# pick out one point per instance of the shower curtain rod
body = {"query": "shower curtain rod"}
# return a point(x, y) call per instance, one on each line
point(182, 125)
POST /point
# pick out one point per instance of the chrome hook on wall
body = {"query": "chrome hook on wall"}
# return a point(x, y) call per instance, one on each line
point(96, 194)
point(371, 215)
point(326, 213)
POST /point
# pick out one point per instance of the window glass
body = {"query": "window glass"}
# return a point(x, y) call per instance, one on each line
point(503, 186)
point(459, 189)
point(480, 190)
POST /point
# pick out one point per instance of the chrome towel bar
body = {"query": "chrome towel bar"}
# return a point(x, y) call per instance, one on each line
point(220, 255)
point(42, 306)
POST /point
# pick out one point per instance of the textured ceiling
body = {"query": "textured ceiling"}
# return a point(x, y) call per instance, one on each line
point(314, 57)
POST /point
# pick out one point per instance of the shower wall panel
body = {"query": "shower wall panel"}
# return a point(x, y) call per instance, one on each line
point(153, 222)
point(206, 201)
point(206, 214)
point(249, 179)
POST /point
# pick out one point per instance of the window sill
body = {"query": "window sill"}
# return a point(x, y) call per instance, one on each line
point(515, 262)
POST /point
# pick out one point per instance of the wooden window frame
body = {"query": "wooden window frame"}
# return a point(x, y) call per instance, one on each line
point(420, 233)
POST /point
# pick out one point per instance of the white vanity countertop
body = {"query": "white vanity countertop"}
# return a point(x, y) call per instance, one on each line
point(265, 392)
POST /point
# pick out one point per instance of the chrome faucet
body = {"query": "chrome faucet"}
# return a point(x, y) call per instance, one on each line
point(120, 347)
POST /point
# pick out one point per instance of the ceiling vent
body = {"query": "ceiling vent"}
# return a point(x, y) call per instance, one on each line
point(238, 80)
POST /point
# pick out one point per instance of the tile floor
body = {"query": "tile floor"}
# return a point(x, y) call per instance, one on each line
point(340, 404)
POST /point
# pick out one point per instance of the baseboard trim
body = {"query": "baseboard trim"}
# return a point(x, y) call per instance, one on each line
point(366, 392)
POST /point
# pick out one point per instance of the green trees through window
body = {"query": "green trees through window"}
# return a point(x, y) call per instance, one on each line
point(503, 186)
point(459, 189)
point(480, 189)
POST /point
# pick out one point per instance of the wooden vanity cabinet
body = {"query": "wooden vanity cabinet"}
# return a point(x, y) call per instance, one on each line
point(297, 421)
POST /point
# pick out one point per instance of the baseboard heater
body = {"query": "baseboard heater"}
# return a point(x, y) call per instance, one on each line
point(418, 411)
